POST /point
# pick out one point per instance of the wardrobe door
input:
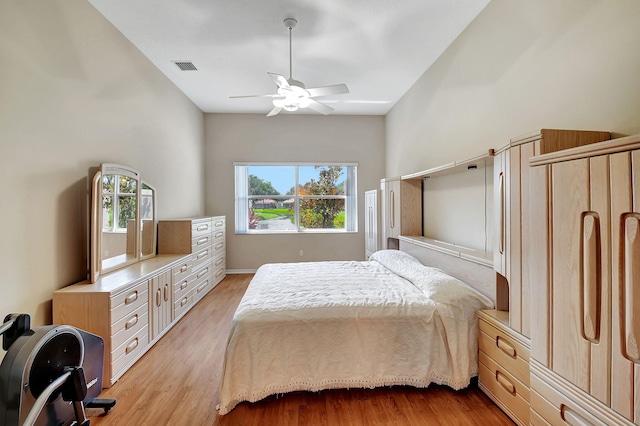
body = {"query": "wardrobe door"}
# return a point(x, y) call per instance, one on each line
point(625, 211)
point(371, 222)
point(579, 273)
point(501, 200)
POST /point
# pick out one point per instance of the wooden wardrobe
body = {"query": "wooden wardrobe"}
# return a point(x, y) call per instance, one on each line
point(585, 310)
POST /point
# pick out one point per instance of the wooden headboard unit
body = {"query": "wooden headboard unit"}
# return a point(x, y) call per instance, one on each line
point(479, 275)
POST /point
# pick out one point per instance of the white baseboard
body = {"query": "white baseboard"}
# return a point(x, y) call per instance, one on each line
point(241, 271)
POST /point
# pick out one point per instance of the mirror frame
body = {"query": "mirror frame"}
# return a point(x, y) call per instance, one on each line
point(154, 238)
point(96, 262)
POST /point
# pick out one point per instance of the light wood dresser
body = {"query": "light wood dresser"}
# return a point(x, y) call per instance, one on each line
point(133, 307)
point(504, 364)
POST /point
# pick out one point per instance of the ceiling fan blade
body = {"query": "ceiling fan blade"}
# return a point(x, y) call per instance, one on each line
point(336, 89)
point(280, 80)
point(319, 107)
point(274, 111)
point(275, 95)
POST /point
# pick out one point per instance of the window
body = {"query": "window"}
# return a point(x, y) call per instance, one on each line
point(295, 198)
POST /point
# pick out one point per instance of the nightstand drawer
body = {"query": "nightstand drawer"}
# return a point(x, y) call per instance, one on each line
point(508, 392)
point(505, 350)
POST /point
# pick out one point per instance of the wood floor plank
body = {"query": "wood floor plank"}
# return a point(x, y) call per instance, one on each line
point(177, 383)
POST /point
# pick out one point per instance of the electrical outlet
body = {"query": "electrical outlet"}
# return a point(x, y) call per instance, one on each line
point(301, 253)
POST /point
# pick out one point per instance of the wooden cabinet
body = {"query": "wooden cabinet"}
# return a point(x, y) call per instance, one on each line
point(504, 365)
point(160, 301)
point(371, 224)
point(512, 204)
point(585, 245)
point(401, 208)
point(133, 307)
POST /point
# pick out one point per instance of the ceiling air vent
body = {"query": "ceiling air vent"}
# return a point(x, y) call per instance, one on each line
point(186, 65)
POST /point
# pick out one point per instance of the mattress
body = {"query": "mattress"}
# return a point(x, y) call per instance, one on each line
point(388, 321)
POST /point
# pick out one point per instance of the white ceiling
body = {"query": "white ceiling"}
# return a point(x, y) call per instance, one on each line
point(379, 48)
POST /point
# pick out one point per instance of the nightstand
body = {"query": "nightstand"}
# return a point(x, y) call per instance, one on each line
point(504, 364)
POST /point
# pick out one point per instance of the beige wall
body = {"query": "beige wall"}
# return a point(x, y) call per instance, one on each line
point(521, 66)
point(74, 93)
point(313, 138)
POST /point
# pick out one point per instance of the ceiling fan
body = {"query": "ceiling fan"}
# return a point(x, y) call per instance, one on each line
point(292, 94)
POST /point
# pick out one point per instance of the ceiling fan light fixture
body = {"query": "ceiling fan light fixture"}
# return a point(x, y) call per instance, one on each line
point(303, 102)
point(292, 94)
point(288, 103)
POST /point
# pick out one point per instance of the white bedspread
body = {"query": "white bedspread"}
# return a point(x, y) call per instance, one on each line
point(323, 325)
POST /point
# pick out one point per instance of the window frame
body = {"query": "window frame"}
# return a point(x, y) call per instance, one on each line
point(241, 173)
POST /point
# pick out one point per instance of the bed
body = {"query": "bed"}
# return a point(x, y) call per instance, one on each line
point(350, 324)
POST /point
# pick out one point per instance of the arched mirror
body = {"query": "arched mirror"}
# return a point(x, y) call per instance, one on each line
point(123, 217)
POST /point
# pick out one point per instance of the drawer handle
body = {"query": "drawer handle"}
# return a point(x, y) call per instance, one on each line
point(132, 321)
point(219, 224)
point(506, 347)
point(573, 418)
point(131, 346)
point(203, 254)
point(590, 276)
point(158, 297)
point(220, 272)
point(184, 268)
point(202, 273)
point(219, 234)
point(631, 290)
point(184, 301)
point(219, 261)
point(204, 284)
point(202, 241)
point(131, 297)
point(166, 292)
point(219, 246)
point(184, 285)
point(505, 383)
point(202, 227)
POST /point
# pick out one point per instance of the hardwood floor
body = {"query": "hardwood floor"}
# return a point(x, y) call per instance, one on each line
point(176, 383)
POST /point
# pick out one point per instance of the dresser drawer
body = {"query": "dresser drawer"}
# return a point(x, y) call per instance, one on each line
point(201, 289)
point(219, 262)
point(129, 351)
point(218, 248)
point(128, 301)
point(506, 351)
point(507, 391)
point(201, 257)
point(182, 270)
point(200, 274)
point(201, 227)
point(218, 235)
point(128, 326)
point(201, 242)
point(182, 304)
point(219, 271)
point(218, 222)
point(182, 287)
